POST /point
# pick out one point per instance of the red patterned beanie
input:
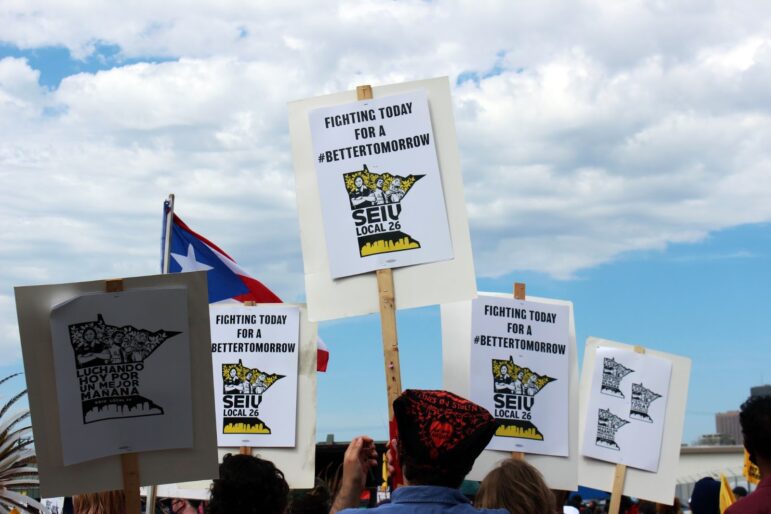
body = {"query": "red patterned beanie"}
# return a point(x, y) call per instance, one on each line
point(438, 429)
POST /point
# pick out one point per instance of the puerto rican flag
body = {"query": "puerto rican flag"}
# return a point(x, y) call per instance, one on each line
point(191, 251)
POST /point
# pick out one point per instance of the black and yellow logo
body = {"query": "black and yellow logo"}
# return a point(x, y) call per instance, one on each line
point(514, 390)
point(376, 201)
point(242, 389)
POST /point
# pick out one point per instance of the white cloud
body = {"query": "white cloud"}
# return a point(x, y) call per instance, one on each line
point(592, 128)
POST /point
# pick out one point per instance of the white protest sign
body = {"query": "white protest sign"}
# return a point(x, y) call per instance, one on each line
point(457, 344)
point(254, 364)
point(520, 353)
point(628, 403)
point(329, 207)
point(113, 354)
point(50, 360)
point(299, 462)
point(379, 183)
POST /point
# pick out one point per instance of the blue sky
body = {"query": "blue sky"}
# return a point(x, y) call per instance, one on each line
point(618, 156)
point(707, 301)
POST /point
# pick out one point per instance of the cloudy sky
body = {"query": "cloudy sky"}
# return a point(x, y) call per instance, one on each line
point(617, 154)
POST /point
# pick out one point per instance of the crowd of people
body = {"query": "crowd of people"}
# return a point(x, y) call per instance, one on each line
point(440, 437)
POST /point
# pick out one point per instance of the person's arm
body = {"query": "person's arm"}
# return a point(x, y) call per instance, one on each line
point(359, 458)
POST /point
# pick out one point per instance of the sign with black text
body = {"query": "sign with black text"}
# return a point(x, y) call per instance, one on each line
point(113, 353)
point(379, 184)
point(254, 363)
point(520, 372)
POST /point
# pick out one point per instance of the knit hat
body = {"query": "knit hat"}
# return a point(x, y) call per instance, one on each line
point(705, 498)
point(438, 429)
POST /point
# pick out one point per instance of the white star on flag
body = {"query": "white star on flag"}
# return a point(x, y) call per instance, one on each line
point(188, 262)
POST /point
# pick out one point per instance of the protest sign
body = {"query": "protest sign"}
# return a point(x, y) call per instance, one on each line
point(458, 346)
point(379, 183)
point(627, 405)
point(112, 354)
point(298, 463)
point(520, 371)
point(330, 209)
point(58, 352)
point(656, 486)
point(254, 364)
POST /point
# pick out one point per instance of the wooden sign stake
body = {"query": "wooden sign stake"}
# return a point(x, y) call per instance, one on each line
point(129, 461)
point(519, 294)
point(619, 476)
point(387, 295)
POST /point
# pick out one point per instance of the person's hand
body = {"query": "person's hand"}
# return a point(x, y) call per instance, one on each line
point(359, 458)
point(391, 457)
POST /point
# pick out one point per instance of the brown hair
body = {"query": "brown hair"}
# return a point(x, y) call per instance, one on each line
point(517, 487)
point(107, 502)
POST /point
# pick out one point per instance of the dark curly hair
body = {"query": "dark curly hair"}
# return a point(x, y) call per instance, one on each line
point(248, 485)
point(755, 418)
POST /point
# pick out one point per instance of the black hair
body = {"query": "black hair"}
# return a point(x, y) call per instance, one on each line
point(755, 418)
point(422, 474)
point(248, 485)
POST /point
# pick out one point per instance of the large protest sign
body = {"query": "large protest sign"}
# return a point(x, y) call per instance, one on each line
point(123, 413)
point(112, 356)
point(254, 360)
point(631, 412)
point(520, 371)
point(627, 399)
point(407, 188)
point(379, 183)
point(458, 348)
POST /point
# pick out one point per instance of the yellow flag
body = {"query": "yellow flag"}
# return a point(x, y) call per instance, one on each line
point(726, 494)
point(751, 471)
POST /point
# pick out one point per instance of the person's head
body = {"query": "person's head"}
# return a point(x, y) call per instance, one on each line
point(117, 337)
point(141, 338)
point(358, 181)
point(89, 335)
point(755, 419)
point(517, 487)
point(233, 372)
point(705, 498)
point(107, 502)
point(248, 485)
point(575, 501)
point(261, 377)
point(248, 376)
point(440, 436)
point(739, 492)
point(379, 182)
point(521, 375)
point(504, 370)
point(396, 183)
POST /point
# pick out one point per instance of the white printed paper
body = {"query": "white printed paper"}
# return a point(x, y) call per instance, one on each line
point(122, 364)
point(626, 409)
point(254, 362)
point(520, 354)
point(379, 184)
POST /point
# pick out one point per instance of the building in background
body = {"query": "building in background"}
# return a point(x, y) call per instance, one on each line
point(764, 390)
point(727, 425)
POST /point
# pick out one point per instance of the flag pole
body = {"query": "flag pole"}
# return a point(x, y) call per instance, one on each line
point(169, 221)
point(167, 240)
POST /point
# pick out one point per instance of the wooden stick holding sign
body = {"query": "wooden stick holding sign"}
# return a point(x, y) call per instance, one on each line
point(619, 476)
point(519, 294)
point(387, 295)
point(129, 461)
